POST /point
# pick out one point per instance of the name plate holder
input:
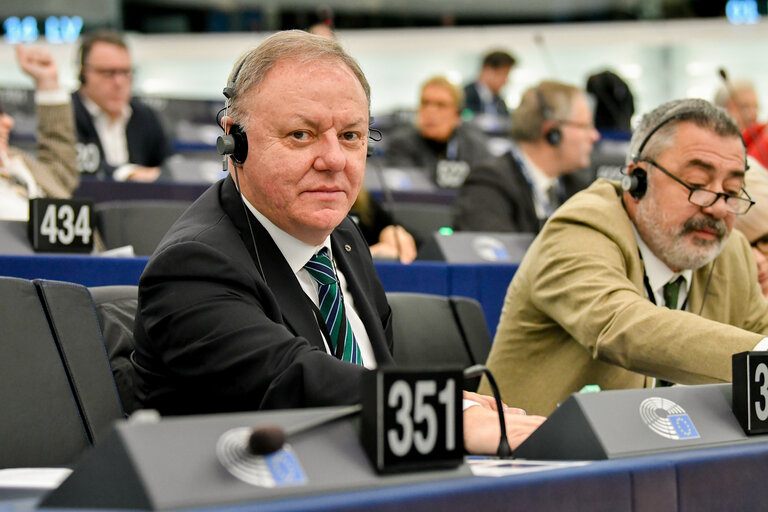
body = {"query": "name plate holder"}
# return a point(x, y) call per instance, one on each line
point(60, 225)
point(412, 419)
point(750, 391)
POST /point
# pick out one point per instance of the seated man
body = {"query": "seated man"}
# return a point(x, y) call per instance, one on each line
point(754, 225)
point(483, 96)
point(53, 173)
point(641, 279)
point(119, 138)
point(439, 143)
point(517, 191)
point(230, 316)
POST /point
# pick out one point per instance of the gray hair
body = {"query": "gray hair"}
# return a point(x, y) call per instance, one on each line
point(657, 129)
point(295, 45)
point(531, 114)
point(725, 91)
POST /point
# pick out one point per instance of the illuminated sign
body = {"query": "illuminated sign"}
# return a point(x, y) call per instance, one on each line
point(742, 11)
point(55, 29)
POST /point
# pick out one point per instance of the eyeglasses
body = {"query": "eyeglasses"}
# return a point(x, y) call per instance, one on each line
point(576, 124)
point(111, 73)
point(761, 245)
point(704, 198)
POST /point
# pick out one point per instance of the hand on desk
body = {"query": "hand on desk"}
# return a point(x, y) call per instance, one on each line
point(395, 242)
point(481, 425)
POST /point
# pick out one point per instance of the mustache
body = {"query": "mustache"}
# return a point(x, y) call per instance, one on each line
point(705, 222)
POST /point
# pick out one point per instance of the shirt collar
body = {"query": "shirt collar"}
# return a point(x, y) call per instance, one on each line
point(541, 181)
point(96, 111)
point(295, 252)
point(657, 271)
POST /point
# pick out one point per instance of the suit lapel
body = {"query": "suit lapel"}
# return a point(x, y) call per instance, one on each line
point(280, 279)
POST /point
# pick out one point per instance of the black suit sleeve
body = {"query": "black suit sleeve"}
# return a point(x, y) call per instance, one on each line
point(492, 200)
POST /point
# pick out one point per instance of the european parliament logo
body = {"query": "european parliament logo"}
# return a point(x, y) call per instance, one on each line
point(667, 419)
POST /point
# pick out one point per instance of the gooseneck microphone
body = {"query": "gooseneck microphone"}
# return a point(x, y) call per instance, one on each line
point(503, 451)
point(267, 439)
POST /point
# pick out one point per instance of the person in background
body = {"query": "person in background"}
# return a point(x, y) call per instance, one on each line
point(644, 280)
point(754, 224)
point(553, 138)
point(739, 99)
point(53, 172)
point(119, 138)
point(263, 295)
point(614, 108)
point(483, 96)
point(385, 238)
point(439, 143)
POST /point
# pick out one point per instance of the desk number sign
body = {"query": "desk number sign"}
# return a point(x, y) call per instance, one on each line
point(60, 225)
point(750, 391)
point(412, 419)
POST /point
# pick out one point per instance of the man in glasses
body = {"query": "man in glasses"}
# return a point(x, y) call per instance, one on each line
point(119, 138)
point(635, 283)
point(754, 224)
point(553, 136)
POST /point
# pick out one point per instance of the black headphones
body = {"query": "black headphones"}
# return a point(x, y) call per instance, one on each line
point(553, 136)
point(637, 182)
point(234, 143)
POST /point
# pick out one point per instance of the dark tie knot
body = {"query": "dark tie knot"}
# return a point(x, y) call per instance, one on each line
point(321, 268)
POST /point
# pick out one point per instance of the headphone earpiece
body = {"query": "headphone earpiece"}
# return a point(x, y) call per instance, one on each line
point(234, 144)
point(635, 183)
point(553, 136)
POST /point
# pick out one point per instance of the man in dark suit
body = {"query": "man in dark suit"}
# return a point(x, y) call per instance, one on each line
point(232, 314)
point(483, 96)
point(119, 137)
point(553, 136)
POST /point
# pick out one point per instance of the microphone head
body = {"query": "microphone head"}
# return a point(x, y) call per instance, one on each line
point(266, 439)
point(723, 74)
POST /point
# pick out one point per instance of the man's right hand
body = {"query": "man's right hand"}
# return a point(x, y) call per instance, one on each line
point(39, 64)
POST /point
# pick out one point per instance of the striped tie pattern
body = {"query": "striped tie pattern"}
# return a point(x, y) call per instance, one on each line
point(332, 306)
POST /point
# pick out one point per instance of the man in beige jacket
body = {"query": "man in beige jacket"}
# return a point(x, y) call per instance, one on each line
point(54, 171)
point(640, 281)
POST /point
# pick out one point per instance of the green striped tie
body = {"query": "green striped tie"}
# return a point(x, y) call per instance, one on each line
point(332, 306)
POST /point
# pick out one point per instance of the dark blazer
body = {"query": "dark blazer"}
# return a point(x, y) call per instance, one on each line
point(473, 102)
point(148, 145)
point(212, 335)
point(497, 197)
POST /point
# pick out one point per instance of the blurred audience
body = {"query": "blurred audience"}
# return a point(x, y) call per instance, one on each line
point(483, 96)
point(739, 99)
point(53, 172)
point(614, 106)
point(516, 192)
point(439, 143)
point(385, 239)
point(120, 138)
point(754, 224)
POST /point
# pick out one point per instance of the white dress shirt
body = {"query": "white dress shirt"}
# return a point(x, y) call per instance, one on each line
point(297, 254)
point(113, 138)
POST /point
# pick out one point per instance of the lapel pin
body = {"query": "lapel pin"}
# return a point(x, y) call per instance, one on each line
point(348, 248)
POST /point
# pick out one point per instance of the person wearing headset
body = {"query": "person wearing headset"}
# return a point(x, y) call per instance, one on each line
point(263, 295)
point(553, 136)
point(119, 138)
point(438, 143)
point(643, 280)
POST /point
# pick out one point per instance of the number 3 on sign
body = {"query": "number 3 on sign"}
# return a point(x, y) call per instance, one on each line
point(70, 226)
point(761, 405)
